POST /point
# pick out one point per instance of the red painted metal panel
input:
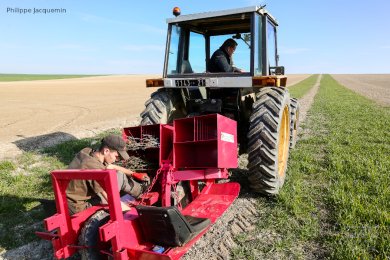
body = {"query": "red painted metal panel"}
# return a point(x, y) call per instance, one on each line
point(200, 174)
point(109, 230)
point(231, 188)
point(208, 141)
point(227, 142)
point(54, 222)
point(166, 143)
point(213, 203)
point(216, 174)
point(149, 198)
point(147, 255)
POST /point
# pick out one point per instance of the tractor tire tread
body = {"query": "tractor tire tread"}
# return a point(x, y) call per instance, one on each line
point(294, 115)
point(263, 140)
point(159, 108)
point(90, 233)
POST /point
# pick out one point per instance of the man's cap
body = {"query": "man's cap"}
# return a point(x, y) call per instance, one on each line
point(115, 142)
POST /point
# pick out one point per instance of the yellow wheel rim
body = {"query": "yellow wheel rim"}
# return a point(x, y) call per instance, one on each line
point(284, 141)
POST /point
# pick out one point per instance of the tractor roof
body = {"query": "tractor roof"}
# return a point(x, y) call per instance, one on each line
point(216, 14)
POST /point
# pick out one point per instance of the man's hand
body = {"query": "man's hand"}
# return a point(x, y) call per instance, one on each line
point(130, 173)
point(141, 176)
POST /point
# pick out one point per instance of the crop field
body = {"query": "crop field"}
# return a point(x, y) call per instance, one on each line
point(335, 203)
point(41, 112)
point(373, 86)
point(28, 77)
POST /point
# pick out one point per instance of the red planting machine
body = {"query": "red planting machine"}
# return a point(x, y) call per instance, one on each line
point(182, 202)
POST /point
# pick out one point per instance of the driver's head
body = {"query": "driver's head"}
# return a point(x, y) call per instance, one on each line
point(230, 46)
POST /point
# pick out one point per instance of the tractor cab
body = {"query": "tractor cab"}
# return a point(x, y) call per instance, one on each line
point(192, 40)
point(190, 84)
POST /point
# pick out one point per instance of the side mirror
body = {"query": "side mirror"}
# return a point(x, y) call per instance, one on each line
point(278, 70)
point(237, 36)
point(245, 39)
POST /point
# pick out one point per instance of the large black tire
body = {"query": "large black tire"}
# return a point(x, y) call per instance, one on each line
point(162, 107)
point(89, 237)
point(268, 140)
point(294, 115)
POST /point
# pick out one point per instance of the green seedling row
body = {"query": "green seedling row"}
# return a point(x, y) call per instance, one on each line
point(336, 201)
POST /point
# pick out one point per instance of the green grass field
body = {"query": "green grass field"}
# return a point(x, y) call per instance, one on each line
point(28, 77)
point(335, 203)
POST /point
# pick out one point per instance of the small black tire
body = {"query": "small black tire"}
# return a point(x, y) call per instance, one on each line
point(162, 107)
point(294, 115)
point(89, 236)
point(268, 140)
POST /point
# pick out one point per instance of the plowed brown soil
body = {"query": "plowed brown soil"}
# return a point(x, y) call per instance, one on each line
point(373, 86)
point(67, 108)
point(41, 113)
point(293, 79)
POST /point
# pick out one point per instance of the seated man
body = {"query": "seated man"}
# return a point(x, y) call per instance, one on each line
point(82, 194)
point(222, 59)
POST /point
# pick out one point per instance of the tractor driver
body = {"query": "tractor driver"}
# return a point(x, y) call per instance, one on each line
point(222, 59)
point(82, 194)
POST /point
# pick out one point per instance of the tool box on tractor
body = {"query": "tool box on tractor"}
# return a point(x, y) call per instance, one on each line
point(194, 151)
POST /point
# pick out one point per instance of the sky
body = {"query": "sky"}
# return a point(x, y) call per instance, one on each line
point(128, 36)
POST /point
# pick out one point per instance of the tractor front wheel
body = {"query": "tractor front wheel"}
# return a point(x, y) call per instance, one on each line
point(269, 140)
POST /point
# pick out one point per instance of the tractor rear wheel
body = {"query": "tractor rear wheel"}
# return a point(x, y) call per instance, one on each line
point(162, 107)
point(294, 114)
point(269, 140)
point(89, 237)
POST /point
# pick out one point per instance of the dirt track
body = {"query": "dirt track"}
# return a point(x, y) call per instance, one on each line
point(34, 114)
